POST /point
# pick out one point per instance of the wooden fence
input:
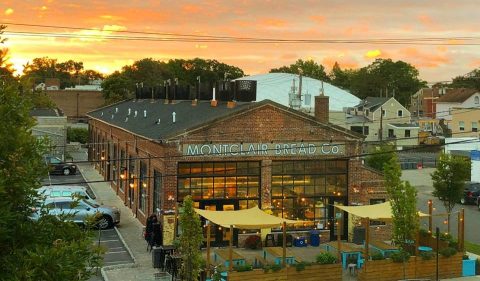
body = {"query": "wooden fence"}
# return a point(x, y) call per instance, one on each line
point(325, 272)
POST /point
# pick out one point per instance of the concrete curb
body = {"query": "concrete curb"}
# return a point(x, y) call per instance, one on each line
point(85, 180)
point(126, 245)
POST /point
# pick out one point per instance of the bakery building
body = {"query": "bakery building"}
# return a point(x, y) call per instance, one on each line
point(231, 156)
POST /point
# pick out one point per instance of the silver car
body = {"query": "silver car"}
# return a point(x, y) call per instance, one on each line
point(79, 210)
point(67, 191)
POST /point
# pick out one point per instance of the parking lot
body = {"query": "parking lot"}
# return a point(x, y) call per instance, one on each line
point(116, 252)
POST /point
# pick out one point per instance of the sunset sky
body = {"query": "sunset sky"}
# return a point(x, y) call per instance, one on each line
point(301, 19)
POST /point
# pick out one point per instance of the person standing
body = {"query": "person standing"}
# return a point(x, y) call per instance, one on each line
point(151, 220)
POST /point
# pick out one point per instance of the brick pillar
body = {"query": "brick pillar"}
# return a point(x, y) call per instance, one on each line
point(266, 180)
point(321, 108)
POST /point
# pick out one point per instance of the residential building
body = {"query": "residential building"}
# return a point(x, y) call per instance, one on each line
point(381, 119)
point(53, 127)
point(456, 98)
point(233, 155)
point(465, 122)
point(423, 103)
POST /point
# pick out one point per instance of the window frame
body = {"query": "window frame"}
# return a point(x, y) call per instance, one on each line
point(400, 113)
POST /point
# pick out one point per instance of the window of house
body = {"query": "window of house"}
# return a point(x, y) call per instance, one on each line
point(391, 133)
point(407, 133)
point(477, 100)
point(365, 130)
point(143, 187)
point(384, 112)
point(367, 112)
point(474, 126)
point(400, 113)
point(461, 126)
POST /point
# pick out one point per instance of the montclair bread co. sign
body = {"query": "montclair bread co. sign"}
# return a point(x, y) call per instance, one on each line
point(264, 149)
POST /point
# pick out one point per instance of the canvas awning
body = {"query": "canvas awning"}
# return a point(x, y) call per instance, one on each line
point(252, 218)
point(382, 211)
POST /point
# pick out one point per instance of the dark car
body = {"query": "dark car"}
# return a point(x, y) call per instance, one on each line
point(57, 166)
point(471, 193)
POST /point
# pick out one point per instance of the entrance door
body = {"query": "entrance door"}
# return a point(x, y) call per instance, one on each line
point(338, 219)
point(220, 236)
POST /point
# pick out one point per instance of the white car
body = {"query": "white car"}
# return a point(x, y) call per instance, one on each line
point(52, 191)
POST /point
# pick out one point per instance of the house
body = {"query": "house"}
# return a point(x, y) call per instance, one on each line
point(465, 122)
point(456, 98)
point(380, 119)
point(423, 103)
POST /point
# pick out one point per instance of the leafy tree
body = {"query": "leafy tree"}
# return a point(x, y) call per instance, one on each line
point(190, 241)
point(385, 75)
point(44, 249)
point(449, 180)
point(403, 199)
point(472, 80)
point(341, 78)
point(379, 156)
point(117, 87)
point(77, 135)
point(308, 68)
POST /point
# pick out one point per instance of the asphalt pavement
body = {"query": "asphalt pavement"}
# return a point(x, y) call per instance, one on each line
point(421, 179)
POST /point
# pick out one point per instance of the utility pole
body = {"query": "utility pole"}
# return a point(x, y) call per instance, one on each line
point(380, 133)
point(198, 88)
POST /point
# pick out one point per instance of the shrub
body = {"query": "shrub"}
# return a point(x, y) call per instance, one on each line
point(242, 268)
point(253, 242)
point(427, 255)
point(446, 237)
point(272, 267)
point(465, 257)
point(326, 258)
point(448, 252)
point(301, 265)
point(377, 256)
point(400, 256)
point(477, 266)
point(423, 232)
point(77, 135)
point(453, 244)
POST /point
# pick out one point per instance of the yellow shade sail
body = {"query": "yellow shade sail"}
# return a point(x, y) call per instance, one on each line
point(252, 218)
point(382, 211)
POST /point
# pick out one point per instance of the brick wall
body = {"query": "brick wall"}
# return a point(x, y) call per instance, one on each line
point(76, 103)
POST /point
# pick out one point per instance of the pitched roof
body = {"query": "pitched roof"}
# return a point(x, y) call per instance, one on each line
point(187, 117)
point(457, 95)
point(372, 103)
point(44, 112)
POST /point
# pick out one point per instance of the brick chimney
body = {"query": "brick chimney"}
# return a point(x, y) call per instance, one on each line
point(321, 108)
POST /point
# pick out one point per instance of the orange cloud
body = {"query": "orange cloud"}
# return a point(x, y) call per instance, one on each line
point(272, 22)
point(318, 19)
point(344, 62)
point(191, 9)
point(474, 63)
point(423, 59)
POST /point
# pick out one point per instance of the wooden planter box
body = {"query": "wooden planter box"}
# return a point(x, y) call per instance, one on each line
point(324, 272)
point(416, 267)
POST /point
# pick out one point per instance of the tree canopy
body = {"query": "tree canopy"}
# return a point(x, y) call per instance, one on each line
point(379, 156)
point(307, 68)
point(190, 241)
point(150, 72)
point(449, 180)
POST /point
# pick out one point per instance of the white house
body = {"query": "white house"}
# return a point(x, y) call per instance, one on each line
point(456, 98)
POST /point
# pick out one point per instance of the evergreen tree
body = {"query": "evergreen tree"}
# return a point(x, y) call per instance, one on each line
point(190, 241)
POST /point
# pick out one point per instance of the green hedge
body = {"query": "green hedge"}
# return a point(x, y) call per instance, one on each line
point(77, 135)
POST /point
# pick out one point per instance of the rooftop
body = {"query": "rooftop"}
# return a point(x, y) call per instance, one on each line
point(457, 95)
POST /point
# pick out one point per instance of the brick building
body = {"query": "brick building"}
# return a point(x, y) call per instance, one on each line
point(231, 156)
point(76, 103)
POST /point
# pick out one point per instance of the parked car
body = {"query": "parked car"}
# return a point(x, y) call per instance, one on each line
point(57, 166)
point(67, 191)
point(79, 210)
point(470, 193)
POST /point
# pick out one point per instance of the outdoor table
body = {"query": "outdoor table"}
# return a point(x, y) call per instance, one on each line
point(384, 248)
point(347, 249)
point(277, 254)
point(237, 259)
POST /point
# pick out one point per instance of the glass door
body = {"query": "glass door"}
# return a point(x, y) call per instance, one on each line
point(338, 219)
point(220, 236)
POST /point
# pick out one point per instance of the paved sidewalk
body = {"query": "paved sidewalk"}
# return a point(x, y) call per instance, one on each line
point(130, 230)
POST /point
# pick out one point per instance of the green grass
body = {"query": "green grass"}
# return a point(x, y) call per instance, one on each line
point(472, 248)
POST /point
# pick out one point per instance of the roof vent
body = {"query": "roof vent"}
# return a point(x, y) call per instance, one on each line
point(173, 117)
point(101, 113)
point(126, 119)
point(116, 109)
point(145, 114)
point(129, 111)
point(135, 113)
point(231, 104)
point(113, 116)
point(158, 121)
point(194, 102)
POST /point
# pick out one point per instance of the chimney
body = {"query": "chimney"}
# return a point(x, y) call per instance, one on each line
point(194, 102)
point(321, 107)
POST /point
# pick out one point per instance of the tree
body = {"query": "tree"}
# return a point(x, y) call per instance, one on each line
point(44, 249)
point(385, 76)
point(190, 241)
point(117, 87)
point(471, 80)
point(341, 78)
point(403, 199)
point(379, 156)
point(307, 68)
point(449, 180)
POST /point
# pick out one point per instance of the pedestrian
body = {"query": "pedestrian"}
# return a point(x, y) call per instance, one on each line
point(158, 232)
point(151, 220)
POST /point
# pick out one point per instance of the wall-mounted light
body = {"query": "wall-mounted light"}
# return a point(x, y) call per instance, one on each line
point(171, 198)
